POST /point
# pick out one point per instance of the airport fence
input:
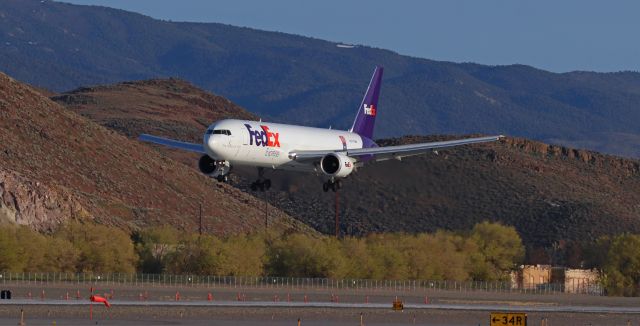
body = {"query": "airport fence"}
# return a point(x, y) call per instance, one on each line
point(287, 283)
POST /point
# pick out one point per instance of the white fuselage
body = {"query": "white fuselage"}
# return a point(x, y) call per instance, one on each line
point(264, 144)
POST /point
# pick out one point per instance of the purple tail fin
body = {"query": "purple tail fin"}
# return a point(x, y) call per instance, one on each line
point(366, 117)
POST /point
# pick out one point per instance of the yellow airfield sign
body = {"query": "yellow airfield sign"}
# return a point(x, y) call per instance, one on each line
point(508, 319)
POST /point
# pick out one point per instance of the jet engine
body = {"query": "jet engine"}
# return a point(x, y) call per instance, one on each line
point(207, 165)
point(213, 168)
point(337, 165)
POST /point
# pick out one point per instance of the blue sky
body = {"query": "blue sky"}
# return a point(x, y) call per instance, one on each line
point(555, 35)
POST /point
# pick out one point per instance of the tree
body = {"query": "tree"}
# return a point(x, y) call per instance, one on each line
point(359, 264)
point(500, 249)
point(243, 255)
point(386, 253)
point(300, 255)
point(439, 256)
point(101, 248)
point(10, 259)
point(25, 250)
point(622, 267)
point(156, 247)
point(197, 254)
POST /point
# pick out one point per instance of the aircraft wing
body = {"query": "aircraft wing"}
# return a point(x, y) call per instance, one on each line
point(388, 152)
point(172, 143)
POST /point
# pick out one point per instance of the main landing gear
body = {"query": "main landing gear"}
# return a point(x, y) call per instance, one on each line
point(333, 184)
point(262, 184)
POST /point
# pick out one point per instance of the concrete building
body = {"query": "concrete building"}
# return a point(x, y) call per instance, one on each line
point(543, 277)
point(581, 281)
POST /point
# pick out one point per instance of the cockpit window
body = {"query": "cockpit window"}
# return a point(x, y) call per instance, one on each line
point(222, 132)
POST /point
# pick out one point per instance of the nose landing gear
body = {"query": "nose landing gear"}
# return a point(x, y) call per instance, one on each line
point(261, 184)
point(223, 168)
point(333, 184)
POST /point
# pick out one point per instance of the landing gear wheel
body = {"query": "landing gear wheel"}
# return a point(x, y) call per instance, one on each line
point(333, 184)
point(223, 178)
point(261, 183)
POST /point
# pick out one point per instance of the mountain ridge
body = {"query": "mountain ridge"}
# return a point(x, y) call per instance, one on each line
point(290, 79)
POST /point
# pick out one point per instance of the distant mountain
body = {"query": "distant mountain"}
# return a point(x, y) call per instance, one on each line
point(549, 193)
point(56, 165)
point(290, 78)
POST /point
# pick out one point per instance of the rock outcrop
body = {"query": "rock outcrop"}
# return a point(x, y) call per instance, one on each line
point(34, 204)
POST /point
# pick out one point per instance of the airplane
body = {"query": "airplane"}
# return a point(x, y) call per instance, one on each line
point(333, 153)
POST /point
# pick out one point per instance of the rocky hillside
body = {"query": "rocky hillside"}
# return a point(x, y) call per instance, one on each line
point(550, 193)
point(170, 107)
point(56, 164)
point(27, 202)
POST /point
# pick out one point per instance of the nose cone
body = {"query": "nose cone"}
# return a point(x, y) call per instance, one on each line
point(210, 145)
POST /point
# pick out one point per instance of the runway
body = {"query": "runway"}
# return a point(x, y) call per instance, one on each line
point(334, 305)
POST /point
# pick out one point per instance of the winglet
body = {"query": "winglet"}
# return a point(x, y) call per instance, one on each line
point(366, 117)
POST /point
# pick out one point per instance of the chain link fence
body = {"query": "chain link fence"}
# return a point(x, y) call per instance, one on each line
point(289, 283)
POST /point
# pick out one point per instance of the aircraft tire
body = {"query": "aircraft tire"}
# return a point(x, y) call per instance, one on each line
point(267, 184)
point(325, 186)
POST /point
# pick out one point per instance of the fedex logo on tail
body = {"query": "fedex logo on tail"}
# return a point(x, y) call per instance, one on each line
point(263, 137)
point(370, 109)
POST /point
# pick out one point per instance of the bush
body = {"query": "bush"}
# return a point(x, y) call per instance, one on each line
point(24, 250)
point(488, 252)
point(101, 249)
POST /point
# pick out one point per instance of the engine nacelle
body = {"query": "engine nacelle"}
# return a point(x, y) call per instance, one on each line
point(207, 165)
point(213, 168)
point(337, 165)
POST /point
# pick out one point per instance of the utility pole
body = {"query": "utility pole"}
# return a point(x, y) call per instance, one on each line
point(337, 215)
point(200, 229)
point(266, 212)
